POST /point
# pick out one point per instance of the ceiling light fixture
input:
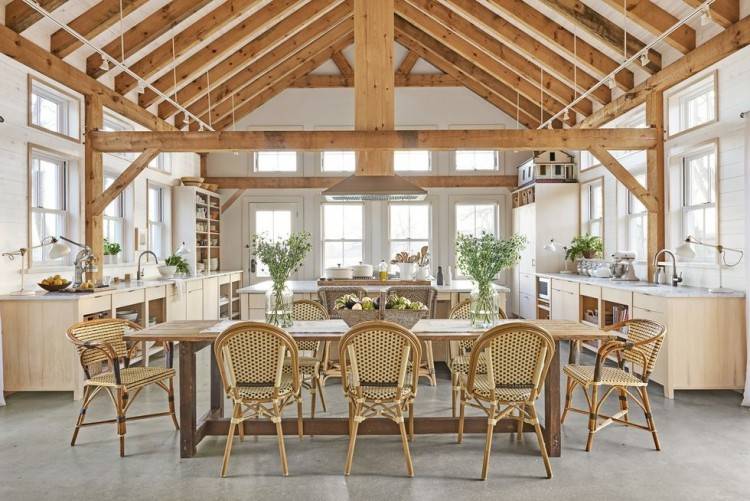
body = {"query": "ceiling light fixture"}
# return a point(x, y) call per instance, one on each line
point(141, 86)
point(643, 58)
point(105, 65)
point(706, 15)
point(611, 83)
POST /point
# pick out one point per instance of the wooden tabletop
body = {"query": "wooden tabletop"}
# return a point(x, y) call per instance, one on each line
point(331, 330)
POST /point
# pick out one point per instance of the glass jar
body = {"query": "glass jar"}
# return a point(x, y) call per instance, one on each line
point(279, 300)
point(483, 307)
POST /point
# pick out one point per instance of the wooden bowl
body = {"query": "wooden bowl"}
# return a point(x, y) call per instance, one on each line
point(55, 288)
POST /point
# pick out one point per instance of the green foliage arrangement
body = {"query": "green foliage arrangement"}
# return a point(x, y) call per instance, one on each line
point(178, 262)
point(111, 248)
point(483, 257)
point(283, 256)
point(587, 246)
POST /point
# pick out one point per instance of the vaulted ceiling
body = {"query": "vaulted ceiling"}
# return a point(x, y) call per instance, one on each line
point(222, 59)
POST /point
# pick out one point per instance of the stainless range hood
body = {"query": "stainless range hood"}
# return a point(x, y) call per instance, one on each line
point(389, 188)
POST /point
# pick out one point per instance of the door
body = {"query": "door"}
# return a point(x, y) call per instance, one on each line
point(272, 220)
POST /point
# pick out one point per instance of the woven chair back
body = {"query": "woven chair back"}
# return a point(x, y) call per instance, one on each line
point(305, 309)
point(423, 293)
point(462, 312)
point(105, 330)
point(645, 355)
point(328, 294)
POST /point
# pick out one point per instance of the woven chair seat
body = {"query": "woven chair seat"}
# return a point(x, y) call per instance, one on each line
point(610, 376)
point(266, 392)
point(483, 388)
point(460, 365)
point(308, 366)
point(133, 377)
point(384, 392)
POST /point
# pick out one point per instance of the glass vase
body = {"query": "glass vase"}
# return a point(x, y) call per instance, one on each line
point(279, 299)
point(484, 307)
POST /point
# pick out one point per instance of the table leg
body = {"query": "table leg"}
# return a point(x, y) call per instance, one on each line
point(188, 419)
point(552, 435)
point(217, 387)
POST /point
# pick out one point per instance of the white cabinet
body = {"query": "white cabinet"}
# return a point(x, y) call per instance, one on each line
point(211, 299)
point(564, 305)
point(194, 305)
point(527, 306)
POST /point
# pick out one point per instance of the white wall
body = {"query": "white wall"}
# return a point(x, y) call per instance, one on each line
point(15, 135)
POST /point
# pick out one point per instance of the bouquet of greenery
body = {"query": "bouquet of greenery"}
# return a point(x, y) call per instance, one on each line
point(587, 246)
point(181, 266)
point(482, 258)
point(282, 257)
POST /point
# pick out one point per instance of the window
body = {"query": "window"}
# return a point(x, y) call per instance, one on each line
point(49, 201)
point(276, 161)
point(53, 110)
point(162, 162)
point(114, 215)
point(592, 208)
point(342, 234)
point(475, 219)
point(411, 160)
point(408, 227)
point(637, 222)
point(476, 160)
point(157, 220)
point(338, 161)
point(699, 216)
point(693, 106)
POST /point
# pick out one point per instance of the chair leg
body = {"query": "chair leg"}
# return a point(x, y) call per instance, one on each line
point(170, 399)
point(300, 429)
point(280, 436)
point(462, 406)
point(540, 439)
point(569, 387)
point(122, 397)
point(319, 382)
point(313, 391)
point(87, 397)
point(236, 412)
point(488, 441)
point(593, 417)
point(430, 362)
point(411, 421)
point(650, 417)
point(519, 425)
point(454, 392)
point(405, 443)
point(353, 427)
point(624, 403)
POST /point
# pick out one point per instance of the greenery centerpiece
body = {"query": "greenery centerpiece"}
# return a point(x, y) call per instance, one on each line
point(587, 246)
point(111, 251)
point(282, 257)
point(482, 258)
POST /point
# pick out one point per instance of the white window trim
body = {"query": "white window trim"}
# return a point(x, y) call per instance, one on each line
point(685, 90)
point(585, 217)
point(322, 240)
point(635, 118)
point(71, 116)
point(318, 155)
point(165, 223)
point(300, 155)
point(387, 218)
point(432, 153)
point(624, 198)
point(497, 167)
point(684, 208)
point(499, 156)
point(121, 125)
point(343, 173)
point(501, 221)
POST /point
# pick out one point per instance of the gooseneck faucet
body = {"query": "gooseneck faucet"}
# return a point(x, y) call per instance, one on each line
point(139, 273)
point(676, 279)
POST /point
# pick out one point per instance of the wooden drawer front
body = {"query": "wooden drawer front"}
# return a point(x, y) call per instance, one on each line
point(651, 303)
point(96, 304)
point(155, 293)
point(617, 296)
point(256, 301)
point(591, 291)
point(236, 277)
point(128, 298)
point(564, 285)
point(194, 285)
point(224, 279)
point(527, 283)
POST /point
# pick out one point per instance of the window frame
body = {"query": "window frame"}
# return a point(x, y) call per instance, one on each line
point(500, 202)
point(162, 223)
point(389, 241)
point(122, 217)
point(631, 214)
point(456, 170)
point(298, 165)
point(321, 163)
point(685, 90)
point(585, 198)
point(158, 163)
point(424, 172)
point(71, 108)
point(685, 208)
point(323, 238)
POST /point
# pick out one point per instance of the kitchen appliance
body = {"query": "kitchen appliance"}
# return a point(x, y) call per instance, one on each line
point(339, 273)
point(543, 288)
point(362, 270)
point(622, 268)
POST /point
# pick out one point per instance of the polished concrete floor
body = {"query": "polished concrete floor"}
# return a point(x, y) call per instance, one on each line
point(705, 438)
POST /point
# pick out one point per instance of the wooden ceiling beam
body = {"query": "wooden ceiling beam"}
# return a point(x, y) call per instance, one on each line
point(283, 38)
point(342, 63)
point(20, 17)
point(605, 30)
point(322, 182)
point(574, 47)
point(498, 54)
point(724, 12)
point(410, 80)
point(722, 45)
point(407, 64)
point(99, 203)
point(198, 32)
point(145, 32)
point(624, 176)
point(539, 53)
point(189, 69)
point(444, 139)
point(91, 23)
point(657, 20)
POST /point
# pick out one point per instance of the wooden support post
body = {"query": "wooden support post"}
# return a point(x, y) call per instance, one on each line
point(625, 177)
point(93, 183)
point(204, 164)
point(655, 177)
point(232, 199)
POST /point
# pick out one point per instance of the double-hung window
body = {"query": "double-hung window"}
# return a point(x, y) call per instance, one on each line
point(49, 201)
point(408, 227)
point(411, 160)
point(699, 215)
point(162, 162)
point(476, 160)
point(338, 161)
point(53, 110)
point(693, 105)
point(275, 161)
point(114, 215)
point(157, 223)
point(476, 218)
point(592, 208)
point(637, 222)
point(343, 241)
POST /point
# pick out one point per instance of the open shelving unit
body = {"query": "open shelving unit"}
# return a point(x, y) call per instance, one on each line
point(197, 218)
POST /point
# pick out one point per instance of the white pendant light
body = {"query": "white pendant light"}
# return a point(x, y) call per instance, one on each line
point(685, 250)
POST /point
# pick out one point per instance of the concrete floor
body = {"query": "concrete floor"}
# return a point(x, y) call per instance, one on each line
point(705, 438)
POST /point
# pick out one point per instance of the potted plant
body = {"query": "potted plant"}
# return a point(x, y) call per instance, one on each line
point(282, 257)
point(587, 246)
point(173, 264)
point(111, 252)
point(482, 258)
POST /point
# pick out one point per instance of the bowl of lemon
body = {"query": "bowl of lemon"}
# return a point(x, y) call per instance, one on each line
point(54, 283)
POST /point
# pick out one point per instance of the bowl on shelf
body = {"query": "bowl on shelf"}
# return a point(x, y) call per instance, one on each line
point(55, 288)
point(191, 181)
point(127, 315)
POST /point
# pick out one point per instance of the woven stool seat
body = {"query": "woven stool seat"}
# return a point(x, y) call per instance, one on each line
point(133, 377)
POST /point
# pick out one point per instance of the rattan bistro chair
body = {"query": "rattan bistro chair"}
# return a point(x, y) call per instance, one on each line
point(375, 356)
point(251, 357)
point(460, 350)
point(428, 296)
point(101, 341)
point(311, 352)
point(516, 357)
point(328, 294)
point(640, 349)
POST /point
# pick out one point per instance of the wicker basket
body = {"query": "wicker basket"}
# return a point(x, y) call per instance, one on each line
point(404, 318)
point(354, 317)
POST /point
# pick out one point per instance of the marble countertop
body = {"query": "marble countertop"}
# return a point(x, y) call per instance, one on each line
point(311, 286)
point(647, 288)
point(42, 295)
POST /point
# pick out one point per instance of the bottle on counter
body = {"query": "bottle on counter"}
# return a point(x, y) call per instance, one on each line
point(449, 276)
point(439, 278)
point(383, 271)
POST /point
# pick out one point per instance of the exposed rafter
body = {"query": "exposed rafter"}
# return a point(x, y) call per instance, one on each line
point(20, 17)
point(343, 65)
point(724, 12)
point(407, 64)
point(657, 20)
point(410, 80)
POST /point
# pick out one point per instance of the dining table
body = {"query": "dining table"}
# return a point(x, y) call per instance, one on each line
point(195, 335)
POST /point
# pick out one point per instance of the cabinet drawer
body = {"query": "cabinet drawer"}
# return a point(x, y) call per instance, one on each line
point(526, 283)
point(256, 301)
point(527, 306)
point(651, 303)
point(128, 298)
point(617, 296)
point(236, 277)
point(155, 293)
point(224, 279)
point(564, 285)
point(96, 304)
point(194, 285)
point(591, 291)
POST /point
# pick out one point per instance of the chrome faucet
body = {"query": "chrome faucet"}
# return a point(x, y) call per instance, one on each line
point(675, 278)
point(139, 273)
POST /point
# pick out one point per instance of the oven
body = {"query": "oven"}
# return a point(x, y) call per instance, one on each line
point(543, 288)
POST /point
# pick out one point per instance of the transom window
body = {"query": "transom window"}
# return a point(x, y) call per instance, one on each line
point(114, 215)
point(49, 201)
point(476, 160)
point(699, 216)
point(338, 161)
point(53, 110)
point(411, 160)
point(475, 219)
point(157, 227)
point(408, 227)
point(592, 208)
point(693, 106)
point(343, 241)
point(275, 161)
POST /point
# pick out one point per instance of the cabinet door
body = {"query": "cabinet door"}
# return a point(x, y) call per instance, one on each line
point(195, 305)
point(556, 304)
point(211, 299)
point(571, 306)
point(660, 370)
point(176, 306)
point(527, 307)
point(515, 291)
